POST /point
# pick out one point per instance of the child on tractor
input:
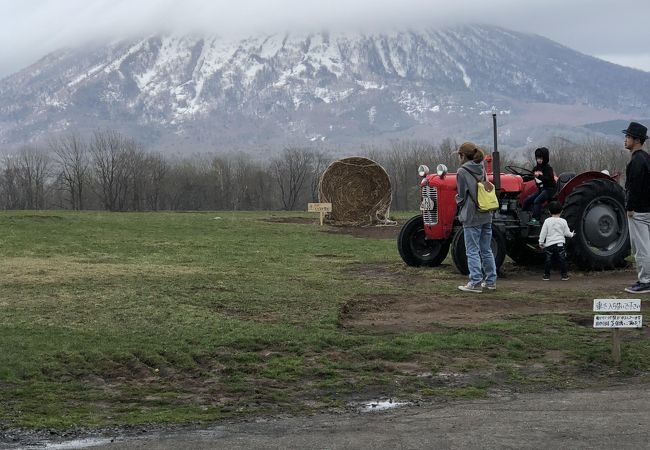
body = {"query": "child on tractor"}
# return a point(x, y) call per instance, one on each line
point(546, 186)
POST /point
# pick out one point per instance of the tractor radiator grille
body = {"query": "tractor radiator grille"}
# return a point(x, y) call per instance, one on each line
point(429, 198)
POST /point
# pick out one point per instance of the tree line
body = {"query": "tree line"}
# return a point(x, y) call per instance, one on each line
point(113, 172)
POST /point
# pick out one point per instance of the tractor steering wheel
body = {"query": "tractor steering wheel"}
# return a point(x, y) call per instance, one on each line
point(525, 174)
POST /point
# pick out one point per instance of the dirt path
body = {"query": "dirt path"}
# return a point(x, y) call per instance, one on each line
point(591, 419)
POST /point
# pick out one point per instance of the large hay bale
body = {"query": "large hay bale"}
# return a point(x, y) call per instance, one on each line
point(358, 189)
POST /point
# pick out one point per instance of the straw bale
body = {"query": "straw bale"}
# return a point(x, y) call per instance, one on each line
point(359, 190)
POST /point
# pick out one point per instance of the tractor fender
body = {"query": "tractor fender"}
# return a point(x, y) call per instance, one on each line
point(580, 179)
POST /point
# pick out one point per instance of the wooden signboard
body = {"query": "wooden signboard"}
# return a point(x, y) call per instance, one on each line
point(321, 208)
point(617, 321)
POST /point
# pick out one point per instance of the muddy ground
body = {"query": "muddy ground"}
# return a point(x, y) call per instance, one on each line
point(393, 313)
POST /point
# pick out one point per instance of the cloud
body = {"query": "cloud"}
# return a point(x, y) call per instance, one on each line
point(36, 27)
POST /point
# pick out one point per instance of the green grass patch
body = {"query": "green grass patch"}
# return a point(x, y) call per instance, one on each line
point(127, 318)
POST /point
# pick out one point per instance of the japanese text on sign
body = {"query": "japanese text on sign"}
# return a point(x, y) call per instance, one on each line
point(615, 304)
point(319, 207)
point(618, 321)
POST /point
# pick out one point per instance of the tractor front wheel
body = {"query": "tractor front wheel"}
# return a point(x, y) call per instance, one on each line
point(459, 253)
point(595, 211)
point(416, 250)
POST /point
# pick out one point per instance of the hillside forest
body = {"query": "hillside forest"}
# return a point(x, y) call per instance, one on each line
point(110, 171)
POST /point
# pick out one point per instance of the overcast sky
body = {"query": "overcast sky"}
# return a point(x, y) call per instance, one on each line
point(617, 31)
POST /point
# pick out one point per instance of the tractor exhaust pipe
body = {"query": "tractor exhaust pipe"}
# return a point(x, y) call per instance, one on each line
point(496, 161)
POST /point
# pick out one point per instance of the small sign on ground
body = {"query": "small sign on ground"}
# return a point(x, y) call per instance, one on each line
point(618, 321)
point(319, 207)
point(617, 304)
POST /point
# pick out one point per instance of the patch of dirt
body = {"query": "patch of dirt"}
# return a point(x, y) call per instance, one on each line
point(369, 232)
point(386, 272)
point(303, 220)
point(32, 217)
point(430, 311)
point(555, 356)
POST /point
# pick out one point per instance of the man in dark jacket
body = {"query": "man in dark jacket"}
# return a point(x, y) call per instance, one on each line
point(546, 186)
point(637, 203)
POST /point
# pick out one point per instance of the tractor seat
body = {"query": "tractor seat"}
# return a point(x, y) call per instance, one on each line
point(563, 179)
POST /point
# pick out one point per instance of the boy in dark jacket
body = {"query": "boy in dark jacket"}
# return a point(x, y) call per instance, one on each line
point(546, 186)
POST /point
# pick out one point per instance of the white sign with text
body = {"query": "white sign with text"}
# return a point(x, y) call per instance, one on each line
point(617, 304)
point(618, 321)
point(319, 207)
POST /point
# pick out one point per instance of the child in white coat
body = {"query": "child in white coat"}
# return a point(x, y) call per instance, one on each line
point(552, 240)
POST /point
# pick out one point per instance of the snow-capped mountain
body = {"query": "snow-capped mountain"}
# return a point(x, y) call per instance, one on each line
point(189, 93)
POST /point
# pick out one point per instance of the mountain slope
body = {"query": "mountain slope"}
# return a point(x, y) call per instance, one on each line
point(206, 92)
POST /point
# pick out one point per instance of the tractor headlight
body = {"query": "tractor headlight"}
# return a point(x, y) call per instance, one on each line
point(441, 170)
point(423, 170)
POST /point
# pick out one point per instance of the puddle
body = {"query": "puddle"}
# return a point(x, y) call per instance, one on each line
point(78, 443)
point(380, 405)
point(74, 444)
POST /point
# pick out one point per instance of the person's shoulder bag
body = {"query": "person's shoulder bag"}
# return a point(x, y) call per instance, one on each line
point(486, 195)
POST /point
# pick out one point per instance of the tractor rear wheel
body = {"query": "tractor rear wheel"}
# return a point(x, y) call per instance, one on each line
point(416, 250)
point(595, 211)
point(459, 255)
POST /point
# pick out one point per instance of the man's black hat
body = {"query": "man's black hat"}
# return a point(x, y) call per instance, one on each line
point(636, 130)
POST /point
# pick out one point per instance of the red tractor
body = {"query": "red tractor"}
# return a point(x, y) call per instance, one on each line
point(593, 205)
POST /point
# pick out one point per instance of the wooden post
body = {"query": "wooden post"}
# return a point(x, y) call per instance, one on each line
point(616, 345)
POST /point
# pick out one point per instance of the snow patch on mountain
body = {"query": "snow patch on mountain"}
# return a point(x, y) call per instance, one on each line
point(340, 87)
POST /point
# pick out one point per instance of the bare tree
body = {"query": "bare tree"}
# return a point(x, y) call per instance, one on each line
point(247, 175)
point(290, 170)
point(401, 162)
point(31, 168)
point(222, 173)
point(72, 158)
point(263, 190)
point(157, 169)
point(444, 153)
point(320, 163)
point(133, 193)
point(189, 184)
point(110, 168)
point(11, 196)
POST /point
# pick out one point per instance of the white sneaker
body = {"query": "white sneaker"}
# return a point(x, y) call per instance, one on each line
point(469, 287)
point(490, 287)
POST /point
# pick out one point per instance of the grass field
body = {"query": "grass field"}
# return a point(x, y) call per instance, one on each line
point(127, 318)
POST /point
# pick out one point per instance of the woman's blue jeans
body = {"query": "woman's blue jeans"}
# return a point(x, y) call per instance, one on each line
point(480, 259)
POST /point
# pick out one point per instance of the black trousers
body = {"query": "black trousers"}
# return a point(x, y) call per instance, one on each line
point(552, 251)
